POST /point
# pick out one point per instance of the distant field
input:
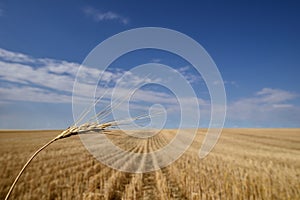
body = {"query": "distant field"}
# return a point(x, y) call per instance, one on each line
point(245, 164)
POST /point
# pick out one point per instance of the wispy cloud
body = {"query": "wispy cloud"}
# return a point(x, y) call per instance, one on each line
point(99, 16)
point(28, 79)
point(190, 76)
point(156, 60)
point(269, 95)
point(9, 56)
point(283, 106)
point(24, 78)
point(271, 107)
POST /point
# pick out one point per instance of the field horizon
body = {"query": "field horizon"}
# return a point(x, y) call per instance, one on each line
point(246, 163)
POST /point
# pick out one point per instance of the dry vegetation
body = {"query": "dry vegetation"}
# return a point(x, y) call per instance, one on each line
point(245, 164)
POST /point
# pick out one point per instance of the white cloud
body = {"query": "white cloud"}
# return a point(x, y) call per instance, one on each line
point(32, 94)
point(267, 106)
point(155, 60)
point(225, 83)
point(42, 76)
point(184, 68)
point(269, 95)
point(24, 78)
point(187, 73)
point(14, 57)
point(49, 80)
point(283, 105)
point(105, 16)
point(45, 80)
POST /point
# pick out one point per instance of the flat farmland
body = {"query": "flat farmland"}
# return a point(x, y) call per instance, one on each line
point(245, 164)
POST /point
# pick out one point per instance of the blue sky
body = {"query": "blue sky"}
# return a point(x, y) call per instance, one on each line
point(255, 45)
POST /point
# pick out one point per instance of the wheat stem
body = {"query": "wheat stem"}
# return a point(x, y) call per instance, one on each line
point(24, 167)
point(88, 127)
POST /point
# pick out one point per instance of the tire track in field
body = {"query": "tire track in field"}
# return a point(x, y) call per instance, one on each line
point(270, 141)
point(168, 186)
point(173, 189)
point(117, 183)
point(250, 143)
point(107, 180)
point(149, 187)
point(268, 137)
point(137, 179)
point(176, 192)
point(119, 180)
point(160, 179)
point(145, 184)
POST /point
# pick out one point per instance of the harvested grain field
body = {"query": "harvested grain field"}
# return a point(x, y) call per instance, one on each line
point(245, 164)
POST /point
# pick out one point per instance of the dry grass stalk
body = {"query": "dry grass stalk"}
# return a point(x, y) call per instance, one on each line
point(73, 130)
point(89, 126)
point(86, 127)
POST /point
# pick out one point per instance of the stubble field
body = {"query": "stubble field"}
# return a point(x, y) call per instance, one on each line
point(245, 164)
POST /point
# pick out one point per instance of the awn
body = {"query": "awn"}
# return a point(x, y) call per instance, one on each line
point(86, 127)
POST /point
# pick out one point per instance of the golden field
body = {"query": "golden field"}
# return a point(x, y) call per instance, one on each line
point(245, 164)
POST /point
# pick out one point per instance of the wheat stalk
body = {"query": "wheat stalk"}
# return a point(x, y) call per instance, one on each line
point(86, 127)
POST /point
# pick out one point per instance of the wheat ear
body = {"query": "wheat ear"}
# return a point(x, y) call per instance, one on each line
point(73, 130)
